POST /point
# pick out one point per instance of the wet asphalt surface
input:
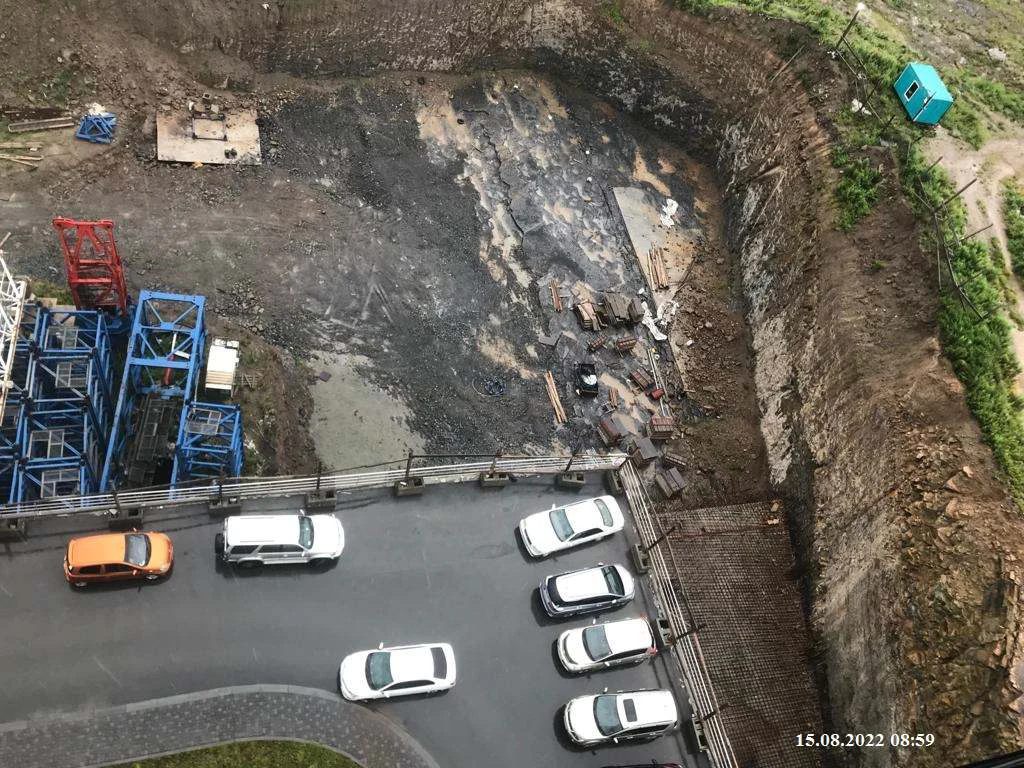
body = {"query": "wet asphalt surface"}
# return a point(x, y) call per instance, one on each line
point(446, 566)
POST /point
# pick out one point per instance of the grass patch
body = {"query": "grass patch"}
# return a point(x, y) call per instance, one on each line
point(1013, 217)
point(58, 291)
point(857, 190)
point(251, 754)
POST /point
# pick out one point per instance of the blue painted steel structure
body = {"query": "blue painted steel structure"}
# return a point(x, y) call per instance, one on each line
point(14, 412)
point(211, 443)
point(922, 93)
point(60, 412)
point(161, 367)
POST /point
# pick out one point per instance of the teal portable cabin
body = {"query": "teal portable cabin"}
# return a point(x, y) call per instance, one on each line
point(923, 94)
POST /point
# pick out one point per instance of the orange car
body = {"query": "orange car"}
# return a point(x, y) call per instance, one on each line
point(118, 556)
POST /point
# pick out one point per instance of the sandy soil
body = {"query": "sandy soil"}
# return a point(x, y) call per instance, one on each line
point(996, 161)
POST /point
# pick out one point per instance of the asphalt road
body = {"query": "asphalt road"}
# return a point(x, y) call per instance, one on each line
point(446, 566)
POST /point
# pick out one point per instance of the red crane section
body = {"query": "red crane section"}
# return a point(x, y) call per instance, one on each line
point(95, 274)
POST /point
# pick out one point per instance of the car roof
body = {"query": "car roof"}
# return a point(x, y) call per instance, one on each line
point(628, 634)
point(262, 529)
point(587, 582)
point(96, 550)
point(412, 664)
point(652, 707)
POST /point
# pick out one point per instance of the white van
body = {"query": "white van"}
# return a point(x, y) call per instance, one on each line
point(250, 541)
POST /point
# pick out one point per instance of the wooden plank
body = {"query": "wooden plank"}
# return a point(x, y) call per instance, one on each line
point(556, 300)
point(11, 159)
point(26, 126)
point(556, 401)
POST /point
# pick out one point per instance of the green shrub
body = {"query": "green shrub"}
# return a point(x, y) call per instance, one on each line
point(1013, 216)
point(857, 190)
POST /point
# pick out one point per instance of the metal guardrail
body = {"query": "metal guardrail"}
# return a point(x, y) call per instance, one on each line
point(264, 487)
point(686, 647)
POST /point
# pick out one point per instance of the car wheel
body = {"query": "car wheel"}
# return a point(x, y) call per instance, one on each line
point(320, 562)
point(218, 543)
point(79, 584)
point(250, 564)
point(152, 576)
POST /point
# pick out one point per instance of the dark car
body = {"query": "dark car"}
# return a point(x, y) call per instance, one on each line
point(587, 590)
point(585, 375)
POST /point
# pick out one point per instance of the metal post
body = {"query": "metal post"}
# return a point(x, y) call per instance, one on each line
point(408, 466)
point(319, 473)
point(689, 632)
point(494, 464)
point(926, 170)
point(571, 459)
point(847, 30)
point(117, 504)
point(955, 195)
point(220, 488)
point(661, 538)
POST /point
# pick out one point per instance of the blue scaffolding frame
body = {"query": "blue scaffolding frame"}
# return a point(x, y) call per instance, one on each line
point(210, 444)
point(65, 406)
point(14, 412)
point(163, 359)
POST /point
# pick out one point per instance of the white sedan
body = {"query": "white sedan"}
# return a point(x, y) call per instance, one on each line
point(399, 671)
point(611, 644)
point(568, 526)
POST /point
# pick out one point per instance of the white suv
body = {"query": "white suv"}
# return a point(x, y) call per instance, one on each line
point(254, 540)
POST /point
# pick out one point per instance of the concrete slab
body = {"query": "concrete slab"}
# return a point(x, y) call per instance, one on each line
point(650, 226)
point(214, 140)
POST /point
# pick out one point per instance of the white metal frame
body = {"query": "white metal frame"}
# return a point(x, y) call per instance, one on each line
point(12, 302)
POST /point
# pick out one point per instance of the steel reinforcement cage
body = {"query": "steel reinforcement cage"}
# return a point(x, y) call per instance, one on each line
point(163, 359)
point(67, 406)
point(210, 444)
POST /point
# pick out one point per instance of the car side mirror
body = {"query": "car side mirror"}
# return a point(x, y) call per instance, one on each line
point(380, 646)
point(605, 689)
point(615, 740)
point(594, 620)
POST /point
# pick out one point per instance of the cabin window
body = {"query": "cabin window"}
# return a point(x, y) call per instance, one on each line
point(911, 91)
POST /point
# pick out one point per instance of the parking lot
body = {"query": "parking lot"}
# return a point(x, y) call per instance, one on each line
point(446, 566)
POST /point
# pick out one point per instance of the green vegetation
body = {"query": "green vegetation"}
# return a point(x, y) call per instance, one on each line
point(614, 12)
point(251, 754)
point(979, 348)
point(1013, 216)
point(857, 190)
point(46, 289)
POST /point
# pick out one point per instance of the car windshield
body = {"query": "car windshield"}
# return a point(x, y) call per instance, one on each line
point(560, 523)
point(378, 669)
point(305, 532)
point(596, 642)
point(606, 514)
point(611, 578)
point(606, 715)
point(136, 548)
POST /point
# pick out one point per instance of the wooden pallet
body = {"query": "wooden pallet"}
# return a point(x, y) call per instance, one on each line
point(670, 482)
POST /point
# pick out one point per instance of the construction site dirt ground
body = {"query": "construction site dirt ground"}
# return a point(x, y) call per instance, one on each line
point(393, 253)
point(389, 259)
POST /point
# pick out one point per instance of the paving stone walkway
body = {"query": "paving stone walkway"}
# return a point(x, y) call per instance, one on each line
point(133, 731)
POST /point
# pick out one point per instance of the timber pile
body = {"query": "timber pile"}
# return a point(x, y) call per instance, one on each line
point(672, 459)
point(556, 300)
point(661, 428)
point(626, 343)
point(29, 160)
point(556, 401)
point(657, 268)
point(669, 482)
point(586, 311)
point(597, 343)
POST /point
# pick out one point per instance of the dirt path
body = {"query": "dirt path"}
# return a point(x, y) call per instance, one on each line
point(992, 165)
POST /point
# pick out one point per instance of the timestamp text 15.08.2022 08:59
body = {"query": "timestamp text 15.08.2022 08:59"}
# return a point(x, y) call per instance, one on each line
point(865, 739)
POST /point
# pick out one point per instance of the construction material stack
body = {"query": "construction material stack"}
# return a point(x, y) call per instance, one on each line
point(161, 433)
point(67, 406)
